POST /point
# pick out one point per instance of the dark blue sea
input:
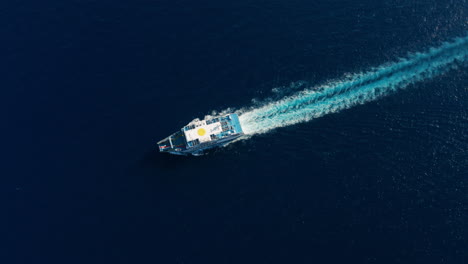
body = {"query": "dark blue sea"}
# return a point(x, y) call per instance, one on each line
point(89, 87)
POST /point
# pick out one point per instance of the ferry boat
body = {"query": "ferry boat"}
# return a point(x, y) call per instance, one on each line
point(198, 136)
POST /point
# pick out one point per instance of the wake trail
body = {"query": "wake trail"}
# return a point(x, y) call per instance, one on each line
point(358, 89)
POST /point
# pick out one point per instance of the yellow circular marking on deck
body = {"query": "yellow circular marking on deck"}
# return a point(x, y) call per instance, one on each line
point(201, 132)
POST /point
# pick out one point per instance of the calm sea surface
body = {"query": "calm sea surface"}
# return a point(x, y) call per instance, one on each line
point(90, 86)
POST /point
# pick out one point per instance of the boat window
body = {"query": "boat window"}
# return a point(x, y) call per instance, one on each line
point(193, 143)
point(187, 128)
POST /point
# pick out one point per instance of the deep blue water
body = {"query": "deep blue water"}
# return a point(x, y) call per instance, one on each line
point(90, 86)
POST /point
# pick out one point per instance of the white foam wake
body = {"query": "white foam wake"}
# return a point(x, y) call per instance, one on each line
point(357, 89)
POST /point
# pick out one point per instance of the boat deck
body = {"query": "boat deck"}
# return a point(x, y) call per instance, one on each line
point(173, 142)
point(178, 140)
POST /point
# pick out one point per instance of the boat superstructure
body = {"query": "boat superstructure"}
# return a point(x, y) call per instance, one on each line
point(198, 136)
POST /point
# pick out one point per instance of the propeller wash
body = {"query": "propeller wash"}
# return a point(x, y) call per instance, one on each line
point(357, 89)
